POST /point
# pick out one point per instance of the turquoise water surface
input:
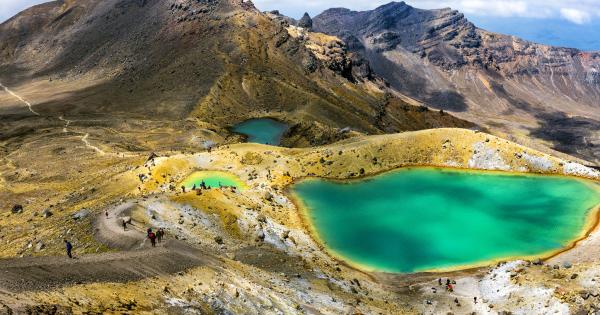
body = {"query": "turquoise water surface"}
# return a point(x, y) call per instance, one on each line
point(262, 130)
point(424, 219)
point(213, 179)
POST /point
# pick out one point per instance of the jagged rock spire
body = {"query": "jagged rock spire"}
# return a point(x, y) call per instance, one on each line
point(305, 22)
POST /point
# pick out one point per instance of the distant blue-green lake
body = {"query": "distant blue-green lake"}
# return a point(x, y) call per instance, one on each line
point(262, 130)
point(426, 219)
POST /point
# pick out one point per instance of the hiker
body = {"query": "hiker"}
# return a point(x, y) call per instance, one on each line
point(152, 238)
point(439, 281)
point(159, 235)
point(194, 187)
point(183, 189)
point(124, 225)
point(203, 185)
point(69, 248)
point(106, 213)
point(148, 231)
point(450, 288)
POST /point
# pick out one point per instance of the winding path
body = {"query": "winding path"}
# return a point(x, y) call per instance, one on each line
point(136, 261)
point(93, 147)
point(19, 98)
point(84, 138)
point(67, 123)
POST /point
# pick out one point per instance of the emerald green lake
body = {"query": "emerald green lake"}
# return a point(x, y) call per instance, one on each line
point(425, 219)
point(213, 179)
point(262, 130)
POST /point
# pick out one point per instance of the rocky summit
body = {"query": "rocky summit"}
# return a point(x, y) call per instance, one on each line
point(149, 151)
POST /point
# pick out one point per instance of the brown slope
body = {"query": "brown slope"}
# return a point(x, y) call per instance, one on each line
point(510, 85)
point(215, 61)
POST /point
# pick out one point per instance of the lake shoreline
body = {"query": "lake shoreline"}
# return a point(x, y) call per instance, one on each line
point(592, 221)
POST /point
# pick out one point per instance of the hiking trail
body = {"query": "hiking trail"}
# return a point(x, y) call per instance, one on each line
point(136, 260)
point(19, 98)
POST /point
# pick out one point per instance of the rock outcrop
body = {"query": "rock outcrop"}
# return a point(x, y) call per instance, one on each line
point(305, 22)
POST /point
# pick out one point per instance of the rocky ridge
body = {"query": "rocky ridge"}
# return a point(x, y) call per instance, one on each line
point(502, 82)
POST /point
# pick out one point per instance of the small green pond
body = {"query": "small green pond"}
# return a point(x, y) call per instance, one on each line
point(426, 219)
point(262, 130)
point(213, 179)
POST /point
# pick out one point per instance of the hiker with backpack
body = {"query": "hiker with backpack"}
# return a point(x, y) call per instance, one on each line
point(152, 237)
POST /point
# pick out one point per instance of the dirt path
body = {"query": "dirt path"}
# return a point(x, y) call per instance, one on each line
point(84, 139)
point(137, 261)
point(22, 100)
point(67, 123)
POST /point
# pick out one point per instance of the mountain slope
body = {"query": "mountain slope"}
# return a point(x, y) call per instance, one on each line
point(510, 85)
point(213, 61)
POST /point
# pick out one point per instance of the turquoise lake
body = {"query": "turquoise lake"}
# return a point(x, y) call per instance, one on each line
point(424, 219)
point(213, 179)
point(262, 130)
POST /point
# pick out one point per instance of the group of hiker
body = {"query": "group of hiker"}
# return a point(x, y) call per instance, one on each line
point(449, 284)
point(450, 288)
point(154, 237)
point(203, 186)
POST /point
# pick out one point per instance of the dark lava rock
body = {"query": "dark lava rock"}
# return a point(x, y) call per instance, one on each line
point(310, 64)
point(152, 157)
point(17, 209)
point(574, 276)
point(219, 240)
point(47, 213)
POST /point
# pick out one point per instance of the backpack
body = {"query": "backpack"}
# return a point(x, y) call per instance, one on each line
point(151, 236)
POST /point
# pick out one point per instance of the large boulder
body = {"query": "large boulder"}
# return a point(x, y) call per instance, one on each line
point(81, 214)
point(39, 246)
